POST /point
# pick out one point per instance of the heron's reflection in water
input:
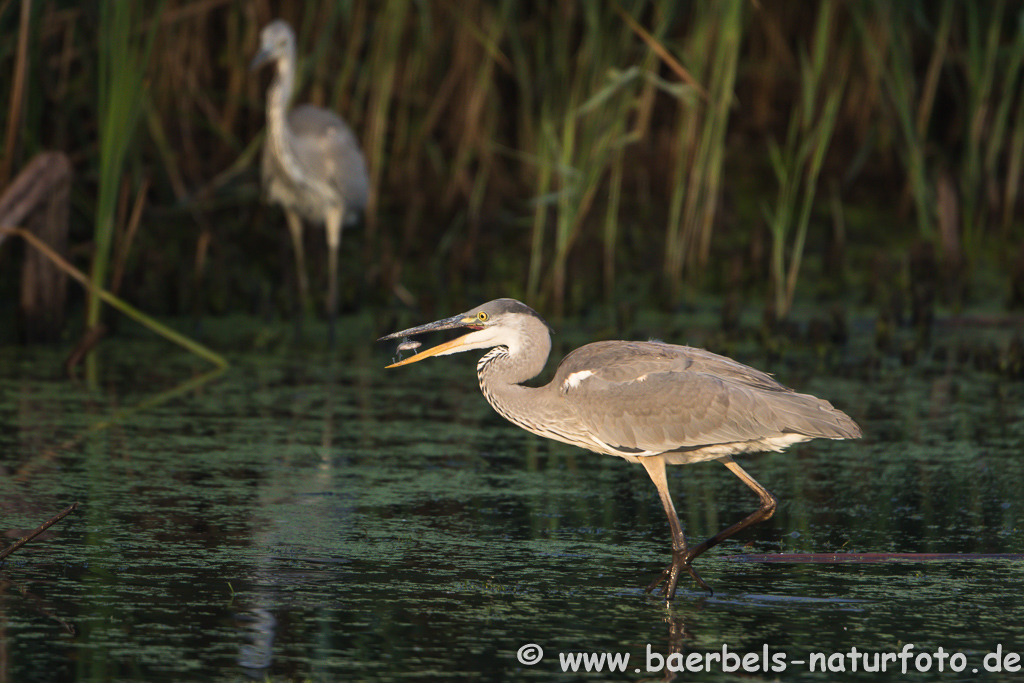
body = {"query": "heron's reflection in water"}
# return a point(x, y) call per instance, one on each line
point(260, 628)
point(678, 634)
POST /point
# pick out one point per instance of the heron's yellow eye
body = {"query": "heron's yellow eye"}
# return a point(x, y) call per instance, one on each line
point(481, 316)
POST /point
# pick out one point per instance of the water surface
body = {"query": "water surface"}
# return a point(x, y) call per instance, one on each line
point(310, 516)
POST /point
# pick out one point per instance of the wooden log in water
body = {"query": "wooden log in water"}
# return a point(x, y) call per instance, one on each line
point(870, 558)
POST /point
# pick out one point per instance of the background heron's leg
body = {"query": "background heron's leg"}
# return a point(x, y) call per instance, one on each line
point(655, 467)
point(333, 222)
point(768, 504)
point(295, 228)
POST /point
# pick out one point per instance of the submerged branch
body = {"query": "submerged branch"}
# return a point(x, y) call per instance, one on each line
point(40, 529)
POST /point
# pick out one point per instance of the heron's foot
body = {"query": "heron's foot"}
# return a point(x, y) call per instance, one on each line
point(669, 577)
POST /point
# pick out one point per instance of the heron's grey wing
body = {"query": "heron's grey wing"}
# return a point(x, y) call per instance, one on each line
point(327, 148)
point(649, 397)
point(625, 361)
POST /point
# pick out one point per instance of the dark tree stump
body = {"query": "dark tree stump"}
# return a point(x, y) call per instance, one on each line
point(38, 201)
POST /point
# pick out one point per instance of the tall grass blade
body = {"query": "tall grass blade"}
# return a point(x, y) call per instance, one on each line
point(798, 164)
point(712, 54)
point(122, 66)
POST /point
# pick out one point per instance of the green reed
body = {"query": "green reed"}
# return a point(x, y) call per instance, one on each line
point(710, 52)
point(1015, 164)
point(547, 149)
point(888, 46)
point(993, 68)
point(798, 162)
point(13, 113)
point(122, 66)
point(582, 120)
point(980, 64)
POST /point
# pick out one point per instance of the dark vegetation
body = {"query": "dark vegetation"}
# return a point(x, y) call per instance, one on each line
point(580, 156)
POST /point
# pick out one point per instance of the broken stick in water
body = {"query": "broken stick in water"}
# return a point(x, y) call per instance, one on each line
point(42, 527)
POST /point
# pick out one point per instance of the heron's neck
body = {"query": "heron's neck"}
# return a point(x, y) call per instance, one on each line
point(278, 96)
point(501, 373)
point(280, 91)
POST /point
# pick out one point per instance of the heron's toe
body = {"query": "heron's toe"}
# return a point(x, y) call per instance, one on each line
point(662, 578)
point(669, 577)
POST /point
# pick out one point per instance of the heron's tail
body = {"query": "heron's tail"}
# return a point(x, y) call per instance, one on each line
point(816, 418)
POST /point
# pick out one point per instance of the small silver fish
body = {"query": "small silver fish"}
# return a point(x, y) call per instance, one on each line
point(406, 345)
point(409, 345)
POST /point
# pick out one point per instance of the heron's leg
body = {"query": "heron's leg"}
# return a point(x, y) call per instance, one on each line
point(295, 228)
point(655, 467)
point(768, 504)
point(333, 222)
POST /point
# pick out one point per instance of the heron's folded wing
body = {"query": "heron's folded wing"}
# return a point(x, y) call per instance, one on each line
point(664, 411)
point(658, 411)
point(327, 148)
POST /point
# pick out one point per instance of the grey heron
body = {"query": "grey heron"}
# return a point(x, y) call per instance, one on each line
point(650, 403)
point(312, 165)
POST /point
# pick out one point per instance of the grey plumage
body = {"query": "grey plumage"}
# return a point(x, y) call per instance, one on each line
point(325, 149)
point(647, 402)
point(649, 398)
point(312, 165)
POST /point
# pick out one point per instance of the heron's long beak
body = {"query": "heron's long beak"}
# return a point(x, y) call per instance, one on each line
point(260, 59)
point(446, 324)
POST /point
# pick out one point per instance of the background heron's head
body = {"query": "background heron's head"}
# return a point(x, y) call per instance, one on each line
point(277, 41)
point(502, 322)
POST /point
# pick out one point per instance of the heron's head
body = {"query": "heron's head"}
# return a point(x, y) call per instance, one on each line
point(277, 40)
point(502, 322)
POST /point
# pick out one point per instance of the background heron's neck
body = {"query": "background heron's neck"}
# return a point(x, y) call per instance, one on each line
point(280, 91)
point(278, 95)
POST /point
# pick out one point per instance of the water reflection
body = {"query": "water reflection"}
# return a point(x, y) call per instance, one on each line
point(258, 627)
point(678, 634)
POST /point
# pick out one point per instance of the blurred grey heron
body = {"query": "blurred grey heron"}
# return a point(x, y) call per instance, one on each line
point(312, 165)
point(651, 403)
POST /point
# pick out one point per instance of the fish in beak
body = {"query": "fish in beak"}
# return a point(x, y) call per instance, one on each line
point(454, 346)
